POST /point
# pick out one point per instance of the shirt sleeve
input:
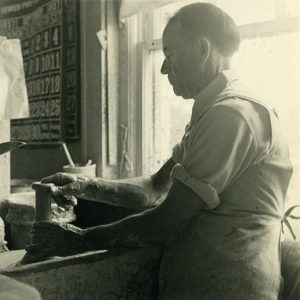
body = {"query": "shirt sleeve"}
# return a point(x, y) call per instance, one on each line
point(220, 148)
point(177, 153)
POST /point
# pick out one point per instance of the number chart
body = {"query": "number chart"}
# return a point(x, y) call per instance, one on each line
point(49, 34)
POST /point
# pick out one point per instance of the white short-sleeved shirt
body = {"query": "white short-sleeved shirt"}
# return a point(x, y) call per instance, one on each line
point(233, 155)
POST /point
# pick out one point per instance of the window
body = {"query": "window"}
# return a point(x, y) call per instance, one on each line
point(269, 63)
point(164, 114)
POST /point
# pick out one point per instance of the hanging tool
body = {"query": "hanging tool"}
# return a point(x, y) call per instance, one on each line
point(125, 160)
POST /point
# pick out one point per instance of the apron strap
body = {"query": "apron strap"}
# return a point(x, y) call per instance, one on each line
point(286, 221)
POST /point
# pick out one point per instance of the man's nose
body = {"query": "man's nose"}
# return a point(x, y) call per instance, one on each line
point(164, 67)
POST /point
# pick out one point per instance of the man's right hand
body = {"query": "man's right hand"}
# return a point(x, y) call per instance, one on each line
point(67, 185)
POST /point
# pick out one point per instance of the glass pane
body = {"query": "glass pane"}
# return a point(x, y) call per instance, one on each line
point(249, 11)
point(167, 115)
point(243, 12)
point(270, 67)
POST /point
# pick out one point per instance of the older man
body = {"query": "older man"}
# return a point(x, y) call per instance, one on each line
point(220, 222)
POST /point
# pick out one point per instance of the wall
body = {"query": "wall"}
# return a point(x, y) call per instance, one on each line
point(34, 163)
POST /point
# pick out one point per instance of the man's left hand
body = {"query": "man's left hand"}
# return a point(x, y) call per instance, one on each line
point(53, 239)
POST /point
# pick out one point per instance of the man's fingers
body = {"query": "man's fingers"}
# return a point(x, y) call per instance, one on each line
point(59, 178)
point(44, 225)
point(71, 201)
point(65, 201)
point(63, 190)
point(34, 249)
point(37, 252)
point(56, 179)
point(40, 227)
point(59, 200)
point(70, 189)
point(39, 237)
point(48, 179)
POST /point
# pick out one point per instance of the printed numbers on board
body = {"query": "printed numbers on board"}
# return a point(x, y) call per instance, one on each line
point(46, 39)
point(55, 36)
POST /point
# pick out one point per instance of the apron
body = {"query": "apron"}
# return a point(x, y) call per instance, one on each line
point(224, 255)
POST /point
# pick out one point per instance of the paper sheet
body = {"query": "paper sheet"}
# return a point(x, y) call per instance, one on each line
point(13, 93)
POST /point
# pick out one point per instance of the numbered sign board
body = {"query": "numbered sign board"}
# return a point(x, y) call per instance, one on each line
point(49, 34)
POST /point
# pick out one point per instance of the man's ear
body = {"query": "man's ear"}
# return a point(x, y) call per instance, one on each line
point(205, 48)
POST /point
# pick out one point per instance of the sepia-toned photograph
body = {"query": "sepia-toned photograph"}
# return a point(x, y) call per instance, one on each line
point(149, 149)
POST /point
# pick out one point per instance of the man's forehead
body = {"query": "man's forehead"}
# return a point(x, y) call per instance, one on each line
point(172, 36)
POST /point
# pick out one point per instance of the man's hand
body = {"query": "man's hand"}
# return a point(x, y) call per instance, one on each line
point(66, 187)
point(53, 239)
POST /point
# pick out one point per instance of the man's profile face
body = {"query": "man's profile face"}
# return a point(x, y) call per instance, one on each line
point(181, 62)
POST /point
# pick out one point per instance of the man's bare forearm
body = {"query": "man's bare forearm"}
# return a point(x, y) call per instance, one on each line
point(155, 226)
point(122, 194)
point(129, 232)
point(138, 192)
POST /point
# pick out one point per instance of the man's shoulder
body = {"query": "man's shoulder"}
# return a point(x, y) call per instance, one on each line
point(250, 108)
point(238, 97)
point(254, 113)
